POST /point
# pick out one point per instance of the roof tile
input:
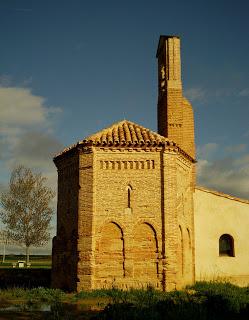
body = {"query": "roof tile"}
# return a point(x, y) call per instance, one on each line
point(123, 133)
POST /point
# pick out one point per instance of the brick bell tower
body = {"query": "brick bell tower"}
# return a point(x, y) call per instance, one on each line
point(176, 122)
point(174, 112)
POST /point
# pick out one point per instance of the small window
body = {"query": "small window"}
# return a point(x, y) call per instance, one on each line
point(129, 189)
point(129, 198)
point(226, 245)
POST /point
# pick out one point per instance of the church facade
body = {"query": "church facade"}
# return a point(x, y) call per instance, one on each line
point(129, 213)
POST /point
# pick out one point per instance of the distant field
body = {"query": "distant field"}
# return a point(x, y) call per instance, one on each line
point(37, 261)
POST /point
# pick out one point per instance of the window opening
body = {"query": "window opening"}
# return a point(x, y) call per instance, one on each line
point(226, 245)
point(129, 189)
point(129, 198)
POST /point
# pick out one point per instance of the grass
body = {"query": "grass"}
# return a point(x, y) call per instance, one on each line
point(37, 261)
point(42, 303)
point(202, 301)
point(32, 295)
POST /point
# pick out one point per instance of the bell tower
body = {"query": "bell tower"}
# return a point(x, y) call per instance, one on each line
point(170, 115)
point(174, 112)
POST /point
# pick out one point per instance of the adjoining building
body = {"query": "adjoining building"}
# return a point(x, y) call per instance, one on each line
point(129, 213)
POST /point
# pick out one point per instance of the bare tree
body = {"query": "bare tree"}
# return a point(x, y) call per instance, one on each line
point(26, 208)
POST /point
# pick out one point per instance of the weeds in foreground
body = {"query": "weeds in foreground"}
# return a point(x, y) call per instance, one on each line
point(33, 295)
point(202, 301)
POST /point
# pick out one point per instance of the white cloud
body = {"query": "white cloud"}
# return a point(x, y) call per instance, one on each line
point(244, 93)
point(18, 106)
point(195, 94)
point(206, 151)
point(238, 148)
point(198, 94)
point(26, 132)
point(223, 92)
point(229, 174)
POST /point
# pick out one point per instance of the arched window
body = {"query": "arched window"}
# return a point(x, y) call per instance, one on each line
point(129, 189)
point(226, 245)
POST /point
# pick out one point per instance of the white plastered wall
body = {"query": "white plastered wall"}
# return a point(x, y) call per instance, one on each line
point(217, 214)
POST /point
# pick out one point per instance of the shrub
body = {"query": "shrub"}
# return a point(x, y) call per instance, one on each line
point(223, 297)
point(45, 295)
point(202, 301)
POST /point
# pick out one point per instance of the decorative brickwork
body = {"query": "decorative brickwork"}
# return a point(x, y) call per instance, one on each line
point(132, 213)
point(175, 114)
point(125, 198)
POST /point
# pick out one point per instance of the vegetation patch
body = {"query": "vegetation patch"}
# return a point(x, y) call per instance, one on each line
point(36, 261)
point(202, 301)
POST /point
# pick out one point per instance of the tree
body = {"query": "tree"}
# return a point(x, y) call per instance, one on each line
point(26, 208)
point(4, 240)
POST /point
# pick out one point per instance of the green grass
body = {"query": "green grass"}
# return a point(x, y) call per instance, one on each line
point(37, 261)
point(32, 295)
point(202, 301)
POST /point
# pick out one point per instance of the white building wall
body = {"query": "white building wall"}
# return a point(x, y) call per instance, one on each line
point(217, 214)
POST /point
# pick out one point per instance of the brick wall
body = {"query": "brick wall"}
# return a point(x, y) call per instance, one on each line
point(130, 230)
point(188, 129)
point(64, 255)
point(85, 219)
point(129, 218)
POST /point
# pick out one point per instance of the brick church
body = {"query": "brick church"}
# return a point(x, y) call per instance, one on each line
point(129, 213)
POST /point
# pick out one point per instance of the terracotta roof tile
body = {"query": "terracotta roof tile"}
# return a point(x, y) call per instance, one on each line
point(123, 133)
point(127, 133)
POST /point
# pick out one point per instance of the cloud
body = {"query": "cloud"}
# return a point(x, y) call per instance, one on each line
point(38, 146)
point(195, 94)
point(18, 106)
point(5, 80)
point(223, 93)
point(198, 94)
point(208, 150)
point(26, 132)
point(244, 93)
point(236, 148)
point(229, 174)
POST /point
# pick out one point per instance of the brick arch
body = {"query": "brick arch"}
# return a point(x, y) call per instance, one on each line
point(110, 254)
point(145, 253)
point(181, 251)
point(188, 256)
point(151, 224)
point(111, 219)
point(189, 239)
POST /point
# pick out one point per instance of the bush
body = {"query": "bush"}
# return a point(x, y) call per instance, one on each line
point(223, 297)
point(33, 295)
point(202, 301)
point(45, 295)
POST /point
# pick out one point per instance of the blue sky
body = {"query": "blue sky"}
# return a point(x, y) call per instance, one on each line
point(70, 68)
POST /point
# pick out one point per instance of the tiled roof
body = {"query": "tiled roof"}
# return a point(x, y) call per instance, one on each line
point(123, 133)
